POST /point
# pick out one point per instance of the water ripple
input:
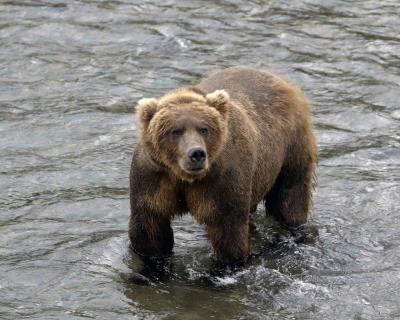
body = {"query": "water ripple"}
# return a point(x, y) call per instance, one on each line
point(71, 73)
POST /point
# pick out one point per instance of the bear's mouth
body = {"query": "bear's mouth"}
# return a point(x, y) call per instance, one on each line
point(195, 170)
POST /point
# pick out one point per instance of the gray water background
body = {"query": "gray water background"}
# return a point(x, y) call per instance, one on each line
point(70, 75)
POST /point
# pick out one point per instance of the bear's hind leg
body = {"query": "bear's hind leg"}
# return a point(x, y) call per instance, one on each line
point(290, 199)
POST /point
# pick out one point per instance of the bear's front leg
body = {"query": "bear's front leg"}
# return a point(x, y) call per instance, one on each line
point(153, 202)
point(229, 235)
point(150, 235)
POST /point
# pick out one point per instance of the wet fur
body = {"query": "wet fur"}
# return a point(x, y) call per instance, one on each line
point(265, 151)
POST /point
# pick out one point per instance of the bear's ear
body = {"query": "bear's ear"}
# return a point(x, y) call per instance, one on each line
point(145, 110)
point(219, 99)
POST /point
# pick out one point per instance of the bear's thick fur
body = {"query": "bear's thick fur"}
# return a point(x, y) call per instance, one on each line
point(217, 149)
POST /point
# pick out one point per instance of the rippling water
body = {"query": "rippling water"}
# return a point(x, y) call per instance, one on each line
point(70, 74)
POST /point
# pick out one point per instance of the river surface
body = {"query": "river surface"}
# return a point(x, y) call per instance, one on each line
point(70, 75)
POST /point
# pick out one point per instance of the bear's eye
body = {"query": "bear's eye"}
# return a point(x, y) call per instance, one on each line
point(203, 131)
point(175, 133)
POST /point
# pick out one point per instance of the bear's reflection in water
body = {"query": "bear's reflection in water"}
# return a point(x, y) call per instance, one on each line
point(190, 284)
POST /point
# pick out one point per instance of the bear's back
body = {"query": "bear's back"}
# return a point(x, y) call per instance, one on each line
point(239, 82)
point(259, 91)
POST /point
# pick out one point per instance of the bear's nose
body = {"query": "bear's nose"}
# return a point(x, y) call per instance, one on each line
point(197, 155)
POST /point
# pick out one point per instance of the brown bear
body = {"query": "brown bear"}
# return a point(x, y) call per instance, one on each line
point(217, 149)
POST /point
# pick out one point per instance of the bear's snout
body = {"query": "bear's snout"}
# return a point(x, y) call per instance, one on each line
point(197, 157)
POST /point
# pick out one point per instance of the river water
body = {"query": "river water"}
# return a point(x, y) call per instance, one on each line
point(70, 75)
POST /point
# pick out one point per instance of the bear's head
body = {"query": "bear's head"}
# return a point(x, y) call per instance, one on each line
point(185, 130)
